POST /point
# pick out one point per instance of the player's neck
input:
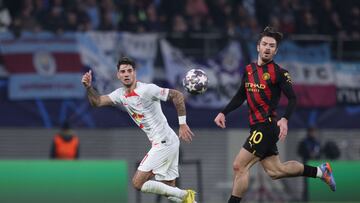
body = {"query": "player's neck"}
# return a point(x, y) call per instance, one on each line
point(260, 62)
point(130, 88)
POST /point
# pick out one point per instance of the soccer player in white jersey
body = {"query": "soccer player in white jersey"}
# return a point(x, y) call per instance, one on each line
point(142, 102)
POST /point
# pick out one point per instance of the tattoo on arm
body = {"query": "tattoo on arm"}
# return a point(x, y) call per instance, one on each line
point(93, 96)
point(178, 100)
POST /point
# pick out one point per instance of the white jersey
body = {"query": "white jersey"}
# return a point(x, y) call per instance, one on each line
point(143, 106)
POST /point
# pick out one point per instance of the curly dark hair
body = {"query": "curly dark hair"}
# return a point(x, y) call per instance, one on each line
point(126, 61)
point(271, 32)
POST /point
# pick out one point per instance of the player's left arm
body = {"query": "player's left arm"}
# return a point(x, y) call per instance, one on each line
point(179, 102)
point(286, 87)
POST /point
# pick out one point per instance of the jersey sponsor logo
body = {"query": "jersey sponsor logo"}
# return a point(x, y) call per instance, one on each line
point(266, 76)
point(138, 118)
point(254, 87)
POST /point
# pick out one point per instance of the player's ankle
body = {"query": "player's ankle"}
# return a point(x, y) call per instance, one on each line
point(319, 173)
point(234, 199)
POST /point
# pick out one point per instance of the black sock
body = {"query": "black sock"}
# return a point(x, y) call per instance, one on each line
point(234, 199)
point(309, 171)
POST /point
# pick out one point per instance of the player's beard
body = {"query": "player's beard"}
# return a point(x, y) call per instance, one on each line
point(266, 59)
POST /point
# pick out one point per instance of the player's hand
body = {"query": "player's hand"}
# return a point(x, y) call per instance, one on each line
point(86, 79)
point(220, 120)
point(283, 125)
point(185, 133)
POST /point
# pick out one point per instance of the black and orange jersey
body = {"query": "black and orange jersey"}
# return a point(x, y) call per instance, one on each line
point(261, 86)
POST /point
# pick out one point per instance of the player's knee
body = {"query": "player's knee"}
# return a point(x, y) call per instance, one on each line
point(238, 168)
point(137, 184)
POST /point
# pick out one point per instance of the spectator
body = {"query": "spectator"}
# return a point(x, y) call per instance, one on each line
point(290, 16)
point(71, 23)
point(331, 150)
point(107, 22)
point(353, 28)
point(328, 17)
point(179, 24)
point(93, 12)
point(109, 15)
point(196, 8)
point(55, 20)
point(309, 148)
point(5, 18)
point(153, 23)
point(65, 144)
point(307, 23)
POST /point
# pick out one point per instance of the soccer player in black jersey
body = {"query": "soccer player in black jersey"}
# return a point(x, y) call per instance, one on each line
point(261, 85)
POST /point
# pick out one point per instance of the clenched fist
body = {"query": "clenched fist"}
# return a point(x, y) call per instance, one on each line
point(86, 79)
point(220, 120)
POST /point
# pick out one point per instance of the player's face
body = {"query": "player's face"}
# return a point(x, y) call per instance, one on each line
point(267, 49)
point(127, 75)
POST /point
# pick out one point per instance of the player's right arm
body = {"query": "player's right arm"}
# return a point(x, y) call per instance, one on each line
point(94, 98)
point(235, 102)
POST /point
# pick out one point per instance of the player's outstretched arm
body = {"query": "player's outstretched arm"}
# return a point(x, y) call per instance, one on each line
point(179, 102)
point(94, 98)
point(235, 102)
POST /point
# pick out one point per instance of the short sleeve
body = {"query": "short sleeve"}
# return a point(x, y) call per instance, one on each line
point(155, 92)
point(115, 96)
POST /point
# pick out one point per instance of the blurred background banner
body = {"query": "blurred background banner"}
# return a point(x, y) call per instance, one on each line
point(311, 72)
point(313, 83)
point(348, 83)
point(42, 66)
point(100, 52)
point(223, 70)
point(46, 84)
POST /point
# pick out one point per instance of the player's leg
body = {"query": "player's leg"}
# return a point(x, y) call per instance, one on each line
point(162, 161)
point(275, 169)
point(241, 166)
point(168, 173)
point(173, 184)
point(141, 181)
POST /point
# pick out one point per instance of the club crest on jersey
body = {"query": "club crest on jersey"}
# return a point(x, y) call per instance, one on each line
point(265, 76)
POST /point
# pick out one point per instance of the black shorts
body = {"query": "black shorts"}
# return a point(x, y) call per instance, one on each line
point(262, 139)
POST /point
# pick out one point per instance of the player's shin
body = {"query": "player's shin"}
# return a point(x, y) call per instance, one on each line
point(234, 199)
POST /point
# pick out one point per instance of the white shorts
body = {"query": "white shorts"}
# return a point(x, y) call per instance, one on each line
point(162, 160)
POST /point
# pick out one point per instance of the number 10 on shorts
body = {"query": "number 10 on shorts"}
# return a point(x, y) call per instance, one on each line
point(256, 137)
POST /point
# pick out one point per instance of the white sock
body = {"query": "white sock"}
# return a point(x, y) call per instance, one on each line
point(175, 199)
point(319, 172)
point(160, 188)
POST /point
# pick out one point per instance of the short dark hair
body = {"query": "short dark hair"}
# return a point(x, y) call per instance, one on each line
point(65, 125)
point(126, 61)
point(271, 32)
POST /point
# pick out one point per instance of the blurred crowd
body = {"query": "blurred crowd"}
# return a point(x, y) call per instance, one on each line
point(232, 17)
